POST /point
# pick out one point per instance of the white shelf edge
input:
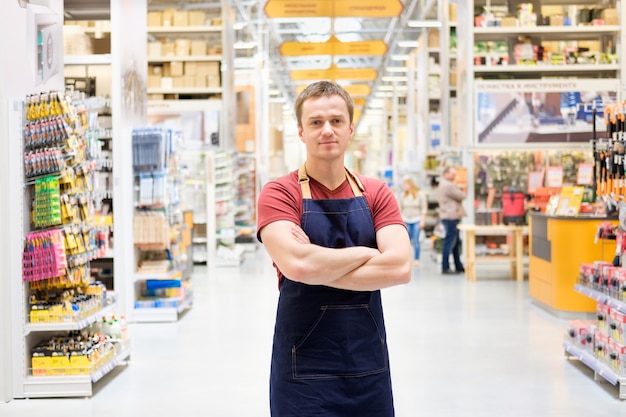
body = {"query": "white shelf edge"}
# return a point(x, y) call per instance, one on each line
point(196, 58)
point(601, 297)
point(600, 368)
point(72, 385)
point(147, 315)
point(520, 30)
point(199, 240)
point(216, 90)
point(546, 68)
point(93, 59)
point(183, 29)
point(77, 325)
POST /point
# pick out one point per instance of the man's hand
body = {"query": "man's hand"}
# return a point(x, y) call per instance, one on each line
point(299, 234)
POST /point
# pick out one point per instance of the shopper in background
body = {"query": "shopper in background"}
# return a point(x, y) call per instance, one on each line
point(336, 238)
point(413, 206)
point(451, 212)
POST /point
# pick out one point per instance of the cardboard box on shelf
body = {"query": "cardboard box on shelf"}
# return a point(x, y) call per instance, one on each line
point(452, 12)
point(155, 49)
point(197, 18)
point(610, 17)
point(213, 81)
point(433, 38)
point(155, 69)
point(154, 81)
point(508, 21)
point(181, 18)
point(198, 48)
point(191, 68)
point(179, 82)
point(592, 46)
point(156, 96)
point(208, 68)
point(155, 18)
point(182, 47)
point(167, 83)
point(168, 17)
point(173, 69)
point(216, 22)
point(453, 79)
point(201, 81)
point(189, 81)
point(215, 51)
point(168, 48)
point(556, 20)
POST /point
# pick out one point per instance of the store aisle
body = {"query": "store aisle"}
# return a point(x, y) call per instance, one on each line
point(457, 349)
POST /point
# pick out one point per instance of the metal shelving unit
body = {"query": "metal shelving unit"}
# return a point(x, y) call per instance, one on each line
point(599, 368)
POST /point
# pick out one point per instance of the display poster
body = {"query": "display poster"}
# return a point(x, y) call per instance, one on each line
point(554, 177)
point(585, 174)
point(541, 111)
point(535, 180)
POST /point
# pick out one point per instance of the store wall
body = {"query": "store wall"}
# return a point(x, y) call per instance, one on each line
point(19, 76)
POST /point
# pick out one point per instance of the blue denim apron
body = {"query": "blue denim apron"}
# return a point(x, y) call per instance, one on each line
point(330, 351)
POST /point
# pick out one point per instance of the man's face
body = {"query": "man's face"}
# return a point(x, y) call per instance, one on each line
point(326, 129)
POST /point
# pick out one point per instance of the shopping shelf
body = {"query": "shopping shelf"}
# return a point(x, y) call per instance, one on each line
point(72, 325)
point(601, 297)
point(599, 368)
point(73, 385)
point(161, 314)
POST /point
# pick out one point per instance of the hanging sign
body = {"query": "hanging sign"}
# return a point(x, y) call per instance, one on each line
point(333, 46)
point(352, 89)
point(334, 73)
point(333, 8)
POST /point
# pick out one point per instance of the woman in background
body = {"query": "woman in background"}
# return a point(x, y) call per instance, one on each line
point(413, 206)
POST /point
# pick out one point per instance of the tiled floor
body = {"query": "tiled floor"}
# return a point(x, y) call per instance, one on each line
point(479, 349)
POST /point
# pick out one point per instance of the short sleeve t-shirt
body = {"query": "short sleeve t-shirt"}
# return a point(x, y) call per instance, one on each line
point(281, 199)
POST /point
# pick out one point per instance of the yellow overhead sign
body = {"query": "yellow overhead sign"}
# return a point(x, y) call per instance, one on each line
point(359, 101)
point(358, 89)
point(334, 73)
point(333, 8)
point(333, 46)
point(352, 89)
point(367, 8)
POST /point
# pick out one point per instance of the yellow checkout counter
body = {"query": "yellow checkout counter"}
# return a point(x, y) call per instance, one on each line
point(557, 247)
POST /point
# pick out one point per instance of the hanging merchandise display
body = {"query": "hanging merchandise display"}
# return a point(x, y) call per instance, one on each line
point(62, 240)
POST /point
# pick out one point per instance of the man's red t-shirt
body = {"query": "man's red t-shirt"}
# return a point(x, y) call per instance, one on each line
point(281, 199)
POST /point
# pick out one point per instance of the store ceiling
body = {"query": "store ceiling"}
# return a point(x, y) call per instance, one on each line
point(259, 28)
point(290, 34)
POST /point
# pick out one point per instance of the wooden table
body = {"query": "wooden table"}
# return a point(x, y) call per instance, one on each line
point(516, 248)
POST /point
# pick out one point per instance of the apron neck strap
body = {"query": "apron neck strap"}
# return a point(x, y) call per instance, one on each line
point(303, 180)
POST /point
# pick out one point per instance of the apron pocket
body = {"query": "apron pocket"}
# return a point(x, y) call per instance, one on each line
point(344, 341)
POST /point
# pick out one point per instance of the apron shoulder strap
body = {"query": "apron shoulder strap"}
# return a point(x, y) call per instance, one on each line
point(303, 180)
point(355, 183)
point(353, 179)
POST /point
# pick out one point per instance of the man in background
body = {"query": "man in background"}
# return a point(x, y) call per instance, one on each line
point(451, 212)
